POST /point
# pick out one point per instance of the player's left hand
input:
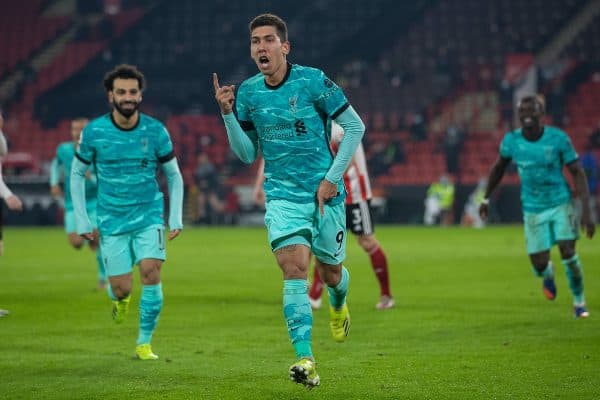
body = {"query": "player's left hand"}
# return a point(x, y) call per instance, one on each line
point(588, 225)
point(174, 233)
point(326, 192)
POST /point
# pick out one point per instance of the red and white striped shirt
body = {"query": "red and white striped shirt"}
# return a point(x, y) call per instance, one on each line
point(356, 177)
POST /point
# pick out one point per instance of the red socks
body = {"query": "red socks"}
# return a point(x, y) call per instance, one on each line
point(316, 287)
point(380, 267)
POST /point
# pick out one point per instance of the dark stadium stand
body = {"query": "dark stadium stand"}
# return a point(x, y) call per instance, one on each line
point(23, 31)
point(411, 70)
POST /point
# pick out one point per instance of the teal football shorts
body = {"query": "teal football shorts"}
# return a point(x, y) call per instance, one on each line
point(291, 223)
point(121, 252)
point(544, 229)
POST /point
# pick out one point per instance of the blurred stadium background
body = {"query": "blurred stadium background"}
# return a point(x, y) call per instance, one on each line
point(434, 80)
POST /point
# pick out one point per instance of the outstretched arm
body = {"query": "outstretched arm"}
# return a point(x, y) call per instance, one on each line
point(175, 185)
point(580, 180)
point(495, 177)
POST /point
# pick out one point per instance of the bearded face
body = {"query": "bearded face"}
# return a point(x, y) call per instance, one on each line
point(125, 96)
point(126, 107)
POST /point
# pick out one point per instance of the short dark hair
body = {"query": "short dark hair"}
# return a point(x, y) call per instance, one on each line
point(123, 71)
point(535, 98)
point(270, 20)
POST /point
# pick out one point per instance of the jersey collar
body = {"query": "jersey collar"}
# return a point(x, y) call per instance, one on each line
point(285, 78)
point(112, 119)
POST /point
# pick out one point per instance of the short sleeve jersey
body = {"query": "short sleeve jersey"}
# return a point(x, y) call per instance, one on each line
point(290, 121)
point(126, 161)
point(540, 164)
point(64, 157)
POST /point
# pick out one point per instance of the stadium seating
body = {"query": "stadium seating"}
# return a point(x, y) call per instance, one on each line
point(444, 63)
point(23, 31)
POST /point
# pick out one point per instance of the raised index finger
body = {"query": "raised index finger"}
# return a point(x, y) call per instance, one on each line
point(216, 81)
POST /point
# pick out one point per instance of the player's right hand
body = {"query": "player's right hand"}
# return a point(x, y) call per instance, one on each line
point(325, 193)
point(88, 236)
point(225, 95)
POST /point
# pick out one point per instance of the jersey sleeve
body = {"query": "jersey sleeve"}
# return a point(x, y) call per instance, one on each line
point(328, 96)
point(86, 151)
point(54, 171)
point(3, 146)
point(506, 146)
point(58, 155)
point(164, 146)
point(242, 108)
point(567, 151)
point(4, 190)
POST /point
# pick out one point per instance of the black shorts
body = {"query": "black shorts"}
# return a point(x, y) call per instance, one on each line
point(359, 219)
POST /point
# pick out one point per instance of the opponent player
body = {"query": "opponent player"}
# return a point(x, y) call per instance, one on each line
point(540, 152)
point(61, 165)
point(358, 220)
point(12, 202)
point(283, 110)
point(126, 147)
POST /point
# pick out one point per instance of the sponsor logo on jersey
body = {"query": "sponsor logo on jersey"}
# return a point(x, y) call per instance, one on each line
point(293, 101)
point(300, 127)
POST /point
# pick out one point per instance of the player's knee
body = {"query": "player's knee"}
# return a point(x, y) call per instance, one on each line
point(330, 274)
point(332, 278)
point(567, 249)
point(367, 242)
point(539, 261)
point(150, 271)
point(294, 270)
point(121, 291)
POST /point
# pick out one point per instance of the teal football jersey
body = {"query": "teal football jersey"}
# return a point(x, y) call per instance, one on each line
point(126, 161)
point(540, 164)
point(290, 122)
point(64, 157)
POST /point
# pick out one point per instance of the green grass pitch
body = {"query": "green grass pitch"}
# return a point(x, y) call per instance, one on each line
point(470, 323)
